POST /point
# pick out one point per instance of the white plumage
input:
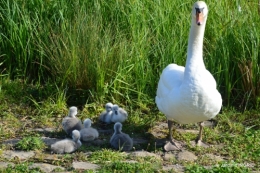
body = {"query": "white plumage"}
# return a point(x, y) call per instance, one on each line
point(71, 122)
point(67, 145)
point(88, 133)
point(119, 114)
point(188, 94)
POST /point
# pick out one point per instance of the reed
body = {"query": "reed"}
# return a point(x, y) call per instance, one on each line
point(116, 50)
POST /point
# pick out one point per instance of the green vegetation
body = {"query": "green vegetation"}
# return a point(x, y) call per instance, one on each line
point(234, 139)
point(225, 168)
point(31, 143)
point(117, 50)
point(55, 54)
point(21, 168)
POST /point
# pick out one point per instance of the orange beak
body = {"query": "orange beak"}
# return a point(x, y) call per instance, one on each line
point(199, 18)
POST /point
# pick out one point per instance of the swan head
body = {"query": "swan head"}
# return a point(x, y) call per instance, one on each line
point(118, 127)
point(73, 111)
point(200, 12)
point(87, 123)
point(115, 109)
point(109, 107)
point(75, 135)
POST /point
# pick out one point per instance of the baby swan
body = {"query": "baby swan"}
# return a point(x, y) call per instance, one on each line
point(120, 140)
point(105, 116)
point(67, 145)
point(119, 114)
point(88, 133)
point(71, 122)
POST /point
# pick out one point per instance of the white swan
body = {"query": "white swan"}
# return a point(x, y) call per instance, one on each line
point(119, 114)
point(67, 145)
point(120, 140)
point(88, 133)
point(189, 95)
point(106, 115)
point(71, 122)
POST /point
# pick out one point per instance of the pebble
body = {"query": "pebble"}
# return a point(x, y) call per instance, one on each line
point(44, 167)
point(22, 155)
point(186, 156)
point(85, 166)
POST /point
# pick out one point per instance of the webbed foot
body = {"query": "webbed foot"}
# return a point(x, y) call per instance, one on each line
point(173, 145)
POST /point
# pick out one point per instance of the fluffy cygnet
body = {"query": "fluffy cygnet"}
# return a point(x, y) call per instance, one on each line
point(119, 114)
point(88, 133)
point(120, 140)
point(67, 145)
point(71, 122)
point(105, 116)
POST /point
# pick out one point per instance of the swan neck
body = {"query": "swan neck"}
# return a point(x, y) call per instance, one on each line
point(195, 47)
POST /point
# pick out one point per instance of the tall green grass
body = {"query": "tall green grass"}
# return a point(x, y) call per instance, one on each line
point(116, 50)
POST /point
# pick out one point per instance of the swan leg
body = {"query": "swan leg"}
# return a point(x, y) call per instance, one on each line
point(199, 138)
point(172, 144)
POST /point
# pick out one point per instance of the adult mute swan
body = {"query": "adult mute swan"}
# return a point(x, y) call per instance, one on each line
point(188, 94)
point(71, 122)
point(67, 145)
point(88, 133)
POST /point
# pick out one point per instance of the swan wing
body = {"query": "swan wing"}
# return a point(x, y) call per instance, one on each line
point(170, 79)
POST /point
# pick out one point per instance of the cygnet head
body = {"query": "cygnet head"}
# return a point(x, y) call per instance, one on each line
point(109, 107)
point(118, 127)
point(73, 111)
point(87, 123)
point(75, 135)
point(115, 109)
point(200, 12)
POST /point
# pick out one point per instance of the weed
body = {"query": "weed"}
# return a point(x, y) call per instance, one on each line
point(31, 143)
point(21, 168)
point(219, 168)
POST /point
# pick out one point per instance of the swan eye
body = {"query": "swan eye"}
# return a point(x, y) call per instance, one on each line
point(199, 10)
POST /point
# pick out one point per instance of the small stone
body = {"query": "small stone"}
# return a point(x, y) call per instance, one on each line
point(144, 154)
point(8, 154)
point(183, 131)
point(169, 156)
point(47, 157)
point(214, 157)
point(175, 168)
point(46, 167)
point(199, 144)
point(5, 164)
point(11, 142)
point(186, 156)
point(85, 166)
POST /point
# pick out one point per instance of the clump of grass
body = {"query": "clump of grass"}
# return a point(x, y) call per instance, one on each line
point(21, 168)
point(122, 167)
point(106, 155)
point(224, 167)
point(31, 143)
point(112, 161)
